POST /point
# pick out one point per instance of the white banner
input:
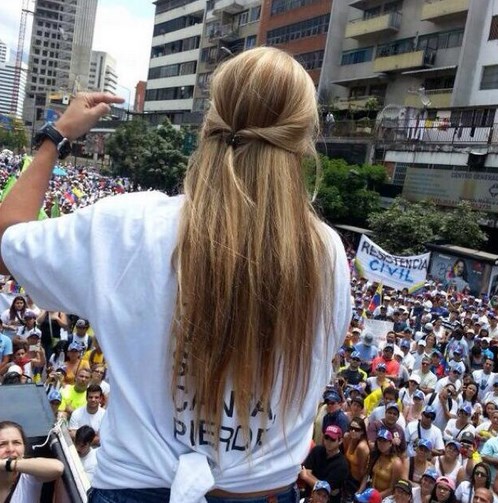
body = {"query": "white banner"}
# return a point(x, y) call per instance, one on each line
point(378, 329)
point(375, 264)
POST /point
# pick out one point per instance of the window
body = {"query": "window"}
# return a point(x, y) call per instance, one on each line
point(243, 18)
point(311, 60)
point(357, 56)
point(169, 93)
point(254, 14)
point(250, 42)
point(397, 47)
point(489, 78)
point(279, 6)
point(493, 29)
point(308, 28)
point(442, 40)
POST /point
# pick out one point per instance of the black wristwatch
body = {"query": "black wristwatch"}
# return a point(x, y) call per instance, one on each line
point(8, 465)
point(62, 144)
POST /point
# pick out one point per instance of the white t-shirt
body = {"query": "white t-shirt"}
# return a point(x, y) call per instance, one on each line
point(28, 489)
point(106, 262)
point(453, 432)
point(89, 463)
point(412, 435)
point(81, 417)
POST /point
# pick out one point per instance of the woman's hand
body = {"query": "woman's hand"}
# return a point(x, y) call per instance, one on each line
point(84, 112)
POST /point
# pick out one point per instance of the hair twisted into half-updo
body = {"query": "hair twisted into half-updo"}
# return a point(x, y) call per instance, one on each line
point(253, 277)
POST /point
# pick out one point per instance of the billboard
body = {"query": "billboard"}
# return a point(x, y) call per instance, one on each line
point(448, 188)
point(458, 272)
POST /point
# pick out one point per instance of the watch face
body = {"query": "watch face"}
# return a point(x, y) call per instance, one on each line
point(64, 148)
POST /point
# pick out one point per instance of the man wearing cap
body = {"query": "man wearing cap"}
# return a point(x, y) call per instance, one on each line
point(382, 316)
point(418, 354)
point(424, 429)
point(402, 492)
point(457, 342)
point(470, 455)
point(352, 373)
point(390, 423)
point(387, 358)
point(368, 351)
point(29, 326)
point(320, 494)
point(327, 462)
point(422, 492)
point(428, 379)
point(408, 361)
point(335, 416)
point(80, 334)
point(484, 378)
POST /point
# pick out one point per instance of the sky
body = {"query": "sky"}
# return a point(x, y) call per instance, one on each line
point(123, 28)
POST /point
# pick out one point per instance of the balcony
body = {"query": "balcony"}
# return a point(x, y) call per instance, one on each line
point(225, 32)
point(436, 10)
point(228, 6)
point(440, 98)
point(359, 103)
point(397, 62)
point(380, 25)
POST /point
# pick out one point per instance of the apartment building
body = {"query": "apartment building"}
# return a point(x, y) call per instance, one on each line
point(230, 27)
point(7, 82)
point(103, 76)
point(60, 50)
point(176, 39)
point(299, 27)
point(388, 50)
point(4, 52)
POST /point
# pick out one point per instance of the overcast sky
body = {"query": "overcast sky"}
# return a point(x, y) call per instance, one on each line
point(123, 28)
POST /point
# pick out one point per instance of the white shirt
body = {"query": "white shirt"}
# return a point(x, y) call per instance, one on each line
point(89, 463)
point(446, 380)
point(28, 489)
point(412, 435)
point(125, 244)
point(484, 382)
point(81, 417)
point(452, 431)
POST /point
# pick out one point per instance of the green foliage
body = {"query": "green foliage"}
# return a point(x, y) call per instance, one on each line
point(405, 227)
point(14, 139)
point(347, 191)
point(150, 156)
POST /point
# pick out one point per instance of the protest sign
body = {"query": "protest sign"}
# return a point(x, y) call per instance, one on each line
point(375, 264)
point(378, 329)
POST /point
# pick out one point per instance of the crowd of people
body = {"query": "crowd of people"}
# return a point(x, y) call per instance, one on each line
point(414, 412)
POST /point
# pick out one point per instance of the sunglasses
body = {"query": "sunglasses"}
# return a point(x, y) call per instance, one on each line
point(354, 428)
point(481, 474)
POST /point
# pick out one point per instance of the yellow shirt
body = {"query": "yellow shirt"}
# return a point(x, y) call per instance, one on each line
point(71, 397)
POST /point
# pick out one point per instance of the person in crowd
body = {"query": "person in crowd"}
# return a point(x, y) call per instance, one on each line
point(353, 374)
point(90, 414)
point(73, 362)
point(406, 394)
point(444, 491)
point(58, 356)
point(457, 426)
point(422, 493)
point(84, 439)
point(385, 466)
point(445, 403)
point(97, 377)
point(389, 423)
point(424, 429)
point(470, 397)
point(449, 464)
point(380, 380)
point(74, 395)
point(483, 495)
point(51, 323)
point(355, 405)
point(485, 378)
point(368, 351)
point(327, 462)
point(454, 377)
point(22, 476)
point(357, 453)
point(402, 493)
point(481, 477)
point(54, 397)
point(29, 326)
point(491, 396)
point(13, 317)
point(286, 307)
point(489, 454)
point(413, 412)
point(489, 428)
point(428, 380)
point(420, 461)
point(81, 336)
point(95, 355)
point(6, 350)
point(335, 415)
point(390, 363)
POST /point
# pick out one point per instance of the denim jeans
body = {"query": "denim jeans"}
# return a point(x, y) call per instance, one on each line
point(159, 495)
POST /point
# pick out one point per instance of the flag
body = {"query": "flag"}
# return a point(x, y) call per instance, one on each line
point(55, 211)
point(364, 317)
point(376, 299)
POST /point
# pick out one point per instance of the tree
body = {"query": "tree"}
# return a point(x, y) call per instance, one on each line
point(347, 191)
point(14, 137)
point(150, 156)
point(405, 228)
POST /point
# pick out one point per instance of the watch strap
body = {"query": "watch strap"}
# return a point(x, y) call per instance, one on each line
point(8, 465)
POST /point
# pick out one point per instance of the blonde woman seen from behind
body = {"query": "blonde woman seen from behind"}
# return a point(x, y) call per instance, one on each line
point(247, 294)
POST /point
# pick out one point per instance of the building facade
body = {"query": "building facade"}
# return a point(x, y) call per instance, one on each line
point(103, 76)
point(176, 39)
point(60, 51)
point(4, 52)
point(7, 80)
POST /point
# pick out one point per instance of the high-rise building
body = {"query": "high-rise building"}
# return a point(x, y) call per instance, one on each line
point(174, 55)
point(103, 76)
point(60, 50)
point(4, 51)
point(140, 89)
point(7, 79)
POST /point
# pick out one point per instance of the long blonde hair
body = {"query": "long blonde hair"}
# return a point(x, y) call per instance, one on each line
point(251, 263)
